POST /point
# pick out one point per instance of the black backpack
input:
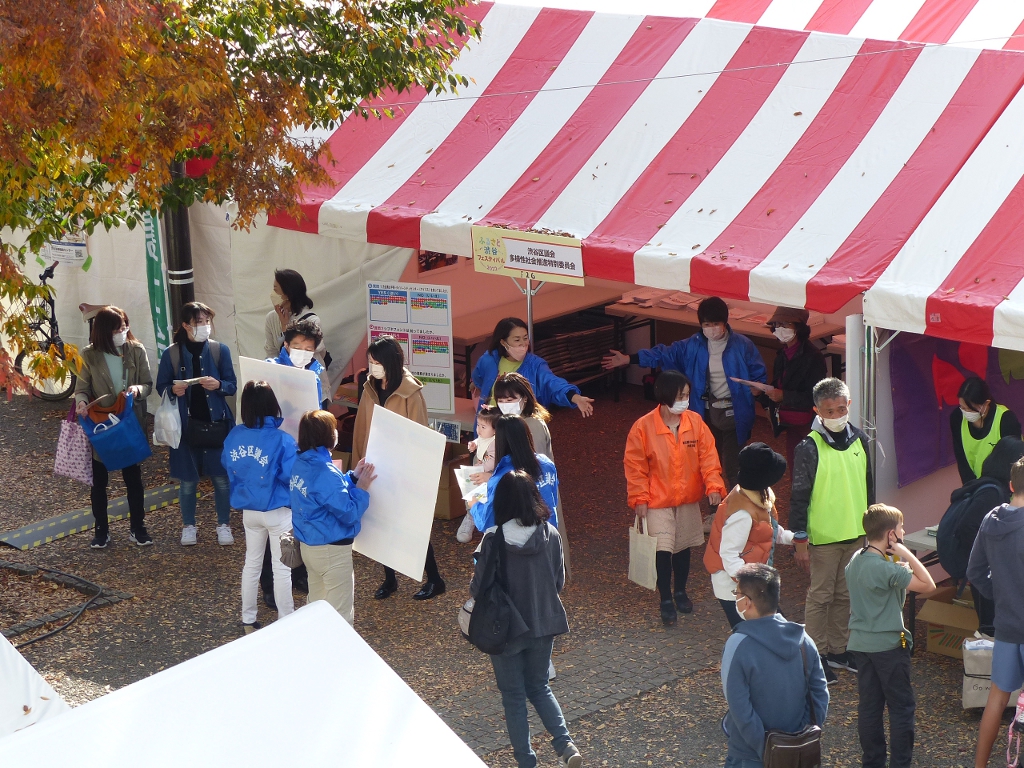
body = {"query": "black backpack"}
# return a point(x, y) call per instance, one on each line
point(495, 621)
point(954, 552)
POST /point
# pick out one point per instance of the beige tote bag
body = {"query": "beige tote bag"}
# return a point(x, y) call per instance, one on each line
point(642, 555)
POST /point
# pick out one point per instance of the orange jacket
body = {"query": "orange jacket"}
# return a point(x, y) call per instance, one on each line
point(759, 542)
point(663, 470)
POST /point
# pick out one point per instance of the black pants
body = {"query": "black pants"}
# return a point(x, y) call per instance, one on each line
point(136, 496)
point(883, 679)
point(986, 610)
point(300, 579)
point(433, 576)
point(729, 606)
point(723, 428)
point(668, 564)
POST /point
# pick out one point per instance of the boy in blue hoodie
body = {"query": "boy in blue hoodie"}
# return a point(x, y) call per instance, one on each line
point(301, 338)
point(996, 570)
point(768, 666)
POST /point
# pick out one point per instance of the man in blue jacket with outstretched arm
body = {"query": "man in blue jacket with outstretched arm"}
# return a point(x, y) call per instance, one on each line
point(711, 359)
point(771, 671)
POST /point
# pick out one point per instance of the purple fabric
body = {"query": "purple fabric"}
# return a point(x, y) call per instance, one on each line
point(925, 374)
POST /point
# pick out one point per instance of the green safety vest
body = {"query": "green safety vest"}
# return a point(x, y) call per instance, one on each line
point(977, 450)
point(839, 498)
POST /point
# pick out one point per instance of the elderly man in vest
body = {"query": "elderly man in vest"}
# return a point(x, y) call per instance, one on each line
point(832, 487)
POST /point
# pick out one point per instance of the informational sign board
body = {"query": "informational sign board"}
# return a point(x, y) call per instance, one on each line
point(295, 389)
point(528, 255)
point(420, 319)
point(71, 251)
point(407, 458)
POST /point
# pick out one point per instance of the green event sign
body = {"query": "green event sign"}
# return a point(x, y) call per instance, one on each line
point(155, 281)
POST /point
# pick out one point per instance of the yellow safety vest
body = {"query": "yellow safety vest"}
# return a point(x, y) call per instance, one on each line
point(839, 498)
point(978, 449)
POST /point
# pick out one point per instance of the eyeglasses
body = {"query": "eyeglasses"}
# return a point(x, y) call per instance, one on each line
point(737, 594)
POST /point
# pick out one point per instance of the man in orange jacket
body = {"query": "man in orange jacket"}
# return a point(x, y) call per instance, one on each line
point(671, 464)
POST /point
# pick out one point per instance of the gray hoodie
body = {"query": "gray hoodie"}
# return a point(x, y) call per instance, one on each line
point(996, 568)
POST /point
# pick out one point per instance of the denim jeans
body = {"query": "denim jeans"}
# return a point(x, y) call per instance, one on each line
point(221, 498)
point(736, 762)
point(522, 673)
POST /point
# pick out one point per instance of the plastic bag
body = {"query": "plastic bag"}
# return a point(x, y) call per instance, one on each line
point(167, 423)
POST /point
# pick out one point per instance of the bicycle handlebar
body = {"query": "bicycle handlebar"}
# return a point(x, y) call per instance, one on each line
point(48, 272)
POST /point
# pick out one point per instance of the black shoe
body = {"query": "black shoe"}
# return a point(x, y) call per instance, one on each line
point(429, 590)
point(842, 660)
point(683, 603)
point(269, 600)
point(301, 586)
point(250, 628)
point(830, 676)
point(668, 613)
point(141, 537)
point(100, 541)
point(387, 588)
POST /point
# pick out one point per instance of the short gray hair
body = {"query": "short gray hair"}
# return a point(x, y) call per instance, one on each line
point(830, 389)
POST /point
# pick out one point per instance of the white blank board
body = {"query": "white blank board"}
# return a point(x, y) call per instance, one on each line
point(407, 458)
point(25, 697)
point(295, 389)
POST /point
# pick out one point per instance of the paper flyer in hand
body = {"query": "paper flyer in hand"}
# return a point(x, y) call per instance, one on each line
point(471, 492)
point(755, 384)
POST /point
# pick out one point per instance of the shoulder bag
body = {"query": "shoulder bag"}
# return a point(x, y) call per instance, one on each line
point(201, 435)
point(495, 620)
point(796, 750)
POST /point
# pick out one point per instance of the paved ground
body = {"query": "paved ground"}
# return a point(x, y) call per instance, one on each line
point(634, 693)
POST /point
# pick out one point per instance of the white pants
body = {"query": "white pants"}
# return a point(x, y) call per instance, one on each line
point(258, 527)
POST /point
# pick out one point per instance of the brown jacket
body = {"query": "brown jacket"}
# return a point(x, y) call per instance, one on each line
point(406, 401)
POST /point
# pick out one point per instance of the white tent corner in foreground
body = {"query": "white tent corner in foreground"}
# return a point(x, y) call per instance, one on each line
point(305, 691)
point(25, 697)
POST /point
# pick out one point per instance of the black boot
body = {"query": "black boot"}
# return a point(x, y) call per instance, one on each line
point(387, 587)
point(663, 564)
point(681, 567)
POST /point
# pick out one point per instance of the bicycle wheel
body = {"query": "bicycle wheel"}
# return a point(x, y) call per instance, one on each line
point(47, 389)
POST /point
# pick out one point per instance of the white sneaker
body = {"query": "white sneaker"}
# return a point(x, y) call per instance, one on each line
point(188, 536)
point(465, 532)
point(551, 670)
point(224, 537)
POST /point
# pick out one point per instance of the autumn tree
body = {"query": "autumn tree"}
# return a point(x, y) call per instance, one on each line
point(98, 98)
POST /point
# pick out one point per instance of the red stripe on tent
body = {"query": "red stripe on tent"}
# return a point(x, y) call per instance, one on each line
point(963, 307)
point(729, 105)
point(838, 16)
point(358, 139)
point(397, 221)
point(643, 57)
point(836, 131)
point(937, 20)
point(977, 103)
point(1016, 41)
point(746, 11)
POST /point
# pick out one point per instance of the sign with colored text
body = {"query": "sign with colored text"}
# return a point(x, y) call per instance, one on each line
point(528, 255)
point(419, 317)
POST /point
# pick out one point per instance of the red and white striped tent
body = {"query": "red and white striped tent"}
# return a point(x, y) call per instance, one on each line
point(801, 166)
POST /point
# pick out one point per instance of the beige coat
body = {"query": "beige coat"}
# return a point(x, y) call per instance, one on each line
point(94, 382)
point(406, 401)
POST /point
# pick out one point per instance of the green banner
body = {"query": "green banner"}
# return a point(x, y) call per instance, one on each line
point(155, 281)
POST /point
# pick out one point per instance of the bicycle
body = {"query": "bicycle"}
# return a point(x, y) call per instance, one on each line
point(47, 337)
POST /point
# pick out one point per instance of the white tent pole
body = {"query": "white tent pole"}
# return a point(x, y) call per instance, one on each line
point(529, 311)
point(867, 413)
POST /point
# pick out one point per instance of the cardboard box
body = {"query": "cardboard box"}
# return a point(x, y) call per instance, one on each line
point(978, 679)
point(449, 505)
point(948, 624)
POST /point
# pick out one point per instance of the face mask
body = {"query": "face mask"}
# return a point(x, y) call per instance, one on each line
point(515, 408)
point(276, 299)
point(836, 425)
point(300, 357)
point(201, 332)
point(517, 353)
point(120, 338)
point(742, 614)
point(679, 406)
point(335, 443)
point(971, 416)
point(785, 335)
point(377, 371)
point(714, 334)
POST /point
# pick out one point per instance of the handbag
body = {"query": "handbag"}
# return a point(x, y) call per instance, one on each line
point(167, 423)
point(643, 550)
point(73, 457)
point(118, 440)
point(206, 435)
point(795, 750)
point(495, 621)
point(465, 616)
point(291, 554)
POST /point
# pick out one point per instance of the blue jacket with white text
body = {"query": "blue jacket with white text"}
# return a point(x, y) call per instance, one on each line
point(326, 504)
point(259, 465)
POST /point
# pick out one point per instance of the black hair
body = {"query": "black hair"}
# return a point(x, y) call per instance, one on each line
point(975, 392)
point(760, 583)
point(516, 385)
point(190, 312)
point(1007, 452)
point(669, 385)
point(490, 415)
point(309, 328)
point(516, 498)
point(512, 438)
point(258, 402)
point(712, 310)
point(502, 330)
point(104, 325)
point(294, 289)
point(388, 352)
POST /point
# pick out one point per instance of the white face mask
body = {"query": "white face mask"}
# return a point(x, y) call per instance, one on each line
point(376, 371)
point(335, 440)
point(836, 425)
point(741, 614)
point(201, 332)
point(120, 337)
point(679, 406)
point(515, 408)
point(785, 335)
point(300, 357)
point(714, 334)
point(971, 416)
point(276, 299)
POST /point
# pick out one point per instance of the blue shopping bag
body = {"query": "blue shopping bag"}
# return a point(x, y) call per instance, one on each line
point(119, 440)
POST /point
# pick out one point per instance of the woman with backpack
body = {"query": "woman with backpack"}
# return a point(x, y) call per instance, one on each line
point(977, 425)
point(533, 578)
point(205, 416)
